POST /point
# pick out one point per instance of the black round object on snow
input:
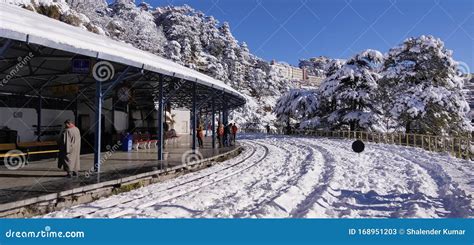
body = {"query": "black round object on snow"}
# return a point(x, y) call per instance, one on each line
point(358, 146)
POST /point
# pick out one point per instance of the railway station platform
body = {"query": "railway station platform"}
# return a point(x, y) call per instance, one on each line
point(41, 186)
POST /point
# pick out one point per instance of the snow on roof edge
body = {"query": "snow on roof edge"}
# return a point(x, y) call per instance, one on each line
point(24, 25)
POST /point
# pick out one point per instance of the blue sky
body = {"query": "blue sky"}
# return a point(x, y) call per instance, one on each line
point(287, 30)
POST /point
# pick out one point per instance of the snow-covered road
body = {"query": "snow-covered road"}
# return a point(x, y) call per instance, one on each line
point(279, 176)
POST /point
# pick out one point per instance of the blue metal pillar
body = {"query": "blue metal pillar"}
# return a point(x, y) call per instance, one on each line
point(98, 123)
point(160, 121)
point(38, 111)
point(193, 116)
point(76, 109)
point(225, 115)
point(99, 96)
point(213, 127)
point(113, 113)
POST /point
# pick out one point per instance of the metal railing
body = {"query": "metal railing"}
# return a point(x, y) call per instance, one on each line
point(459, 147)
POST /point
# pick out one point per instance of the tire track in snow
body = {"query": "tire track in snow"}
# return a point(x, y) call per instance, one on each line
point(316, 196)
point(391, 205)
point(454, 200)
point(350, 199)
point(232, 200)
point(343, 185)
point(258, 208)
point(252, 192)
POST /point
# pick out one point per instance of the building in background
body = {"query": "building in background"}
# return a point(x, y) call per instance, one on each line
point(295, 74)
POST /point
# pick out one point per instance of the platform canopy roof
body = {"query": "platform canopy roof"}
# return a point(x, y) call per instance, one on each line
point(41, 53)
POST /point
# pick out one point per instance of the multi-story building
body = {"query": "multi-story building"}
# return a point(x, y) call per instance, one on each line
point(295, 74)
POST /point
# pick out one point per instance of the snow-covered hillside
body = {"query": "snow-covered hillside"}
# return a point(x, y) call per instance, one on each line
point(184, 35)
point(278, 176)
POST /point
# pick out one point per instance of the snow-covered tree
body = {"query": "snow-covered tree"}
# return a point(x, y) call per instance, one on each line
point(296, 104)
point(316, 66)
point(333, 66)
point(348, 96)
point(422, 89)
point(173, 51)
point(321, 66)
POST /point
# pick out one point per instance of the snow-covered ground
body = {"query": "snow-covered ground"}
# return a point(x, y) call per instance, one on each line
point(279, 176)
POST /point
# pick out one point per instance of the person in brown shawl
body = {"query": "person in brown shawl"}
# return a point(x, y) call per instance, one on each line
point(70, 149)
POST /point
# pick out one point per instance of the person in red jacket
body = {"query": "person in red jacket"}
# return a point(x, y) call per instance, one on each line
point(220, 134)
point(200, 136)
point(234, 132)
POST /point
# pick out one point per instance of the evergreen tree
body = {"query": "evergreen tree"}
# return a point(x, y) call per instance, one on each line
point(347, 96)
point(422, 89)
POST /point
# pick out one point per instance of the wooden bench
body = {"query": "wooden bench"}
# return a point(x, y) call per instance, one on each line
point(27, 149)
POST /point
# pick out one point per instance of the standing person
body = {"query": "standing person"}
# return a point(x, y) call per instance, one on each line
point(220, 135)
point(200, 136)
point(227, 135)
point(268, 128)
point(70, 149)
point(166, 127)
point(234, 132)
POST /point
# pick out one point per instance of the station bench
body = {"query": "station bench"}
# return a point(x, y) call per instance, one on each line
point(28, 149)
point(143, 141)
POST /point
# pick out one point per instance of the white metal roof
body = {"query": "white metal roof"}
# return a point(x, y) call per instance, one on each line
point(24, 25)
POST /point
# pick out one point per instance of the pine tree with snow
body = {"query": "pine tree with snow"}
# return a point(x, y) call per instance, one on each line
point(296, 105)
point(348, 96)
point(333, 66)
point(423, 90)
point(173, 51)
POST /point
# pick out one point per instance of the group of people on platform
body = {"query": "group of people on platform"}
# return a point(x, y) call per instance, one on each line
point(226, 135)
point(70, 143)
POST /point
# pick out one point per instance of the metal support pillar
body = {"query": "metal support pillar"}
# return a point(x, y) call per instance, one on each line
point(5, 47)
point(76, 109)
point(225, 115)
point(160, 121)
point(219, 117)
point(193, 116)
point(38, 117)
point(99, 96)
point(98, 123)
point(213, 123)
point(113, 114)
